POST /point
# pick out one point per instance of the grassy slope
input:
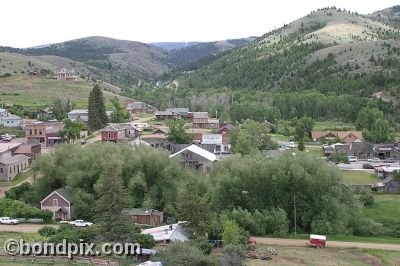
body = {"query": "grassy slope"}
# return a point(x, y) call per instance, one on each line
point(386, 209)
point(39, 92)
point(352, 177)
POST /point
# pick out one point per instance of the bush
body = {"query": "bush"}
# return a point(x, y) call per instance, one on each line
point(180, 253)
point(145, 241)
point(18, 209)
point(47, 231)
point(366, 198)
point(233, 255)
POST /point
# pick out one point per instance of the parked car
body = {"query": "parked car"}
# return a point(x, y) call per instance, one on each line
point(389, 160)
point(8, 220)
point(367, 166)
point(80, 223)
point(291, 145)
point(352, 158)
point(374, 160)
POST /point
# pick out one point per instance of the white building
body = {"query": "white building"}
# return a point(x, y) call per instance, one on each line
point(217, 140)
point(83, 115)
point(9, 120)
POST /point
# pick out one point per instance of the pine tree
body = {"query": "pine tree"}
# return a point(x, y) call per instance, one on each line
point(113, 198)
point(96, 109)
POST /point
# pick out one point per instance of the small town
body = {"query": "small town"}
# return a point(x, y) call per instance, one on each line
point(282, 148)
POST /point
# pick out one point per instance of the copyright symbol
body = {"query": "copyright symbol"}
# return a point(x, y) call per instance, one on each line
point(11, 247)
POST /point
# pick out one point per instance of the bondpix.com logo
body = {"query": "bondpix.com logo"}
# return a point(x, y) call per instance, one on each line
point(19, 247)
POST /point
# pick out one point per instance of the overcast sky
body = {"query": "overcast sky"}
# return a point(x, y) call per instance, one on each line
point(26, 23)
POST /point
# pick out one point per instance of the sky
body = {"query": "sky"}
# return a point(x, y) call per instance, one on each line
point(27, 23)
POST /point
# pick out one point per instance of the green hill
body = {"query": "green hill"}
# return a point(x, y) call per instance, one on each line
point(116, 61)
point(389, 15)
point(330, 50)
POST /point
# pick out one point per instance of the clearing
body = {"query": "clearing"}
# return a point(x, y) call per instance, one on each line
point(360, 177)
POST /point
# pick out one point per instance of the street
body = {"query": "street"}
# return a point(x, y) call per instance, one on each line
point(358, 165)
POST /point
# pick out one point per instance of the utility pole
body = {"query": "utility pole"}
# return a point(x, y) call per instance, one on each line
point(295, 215)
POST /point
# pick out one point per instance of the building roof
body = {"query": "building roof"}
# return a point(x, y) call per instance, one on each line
point(14, 159)
point(153, 136)
point(165, 232)
point(8, 146)
point(199, 151)
point(339, 134)
point(11, 117)
point(163, 113)
point(182, 111)
point(227, 126)
point(79, 111)
point(65, 192)
point(26, 148)
point(46, 110)
point(200, 114)
point(140, 211)
point(118, 127)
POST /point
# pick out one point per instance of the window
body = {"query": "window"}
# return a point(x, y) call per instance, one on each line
point(55, 202)
point(1, 170)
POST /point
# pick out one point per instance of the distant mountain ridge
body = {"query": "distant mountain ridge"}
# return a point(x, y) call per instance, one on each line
point(173, 45)
point(389, 15)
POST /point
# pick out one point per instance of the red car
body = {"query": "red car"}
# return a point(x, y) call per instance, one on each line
point(317, 241)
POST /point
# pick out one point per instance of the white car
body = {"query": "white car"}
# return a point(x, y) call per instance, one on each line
point(374, 160)
point(80, 223)
point(8, 220)
point(291, 145)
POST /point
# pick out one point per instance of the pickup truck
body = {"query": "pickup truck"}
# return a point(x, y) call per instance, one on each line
point(8, 220)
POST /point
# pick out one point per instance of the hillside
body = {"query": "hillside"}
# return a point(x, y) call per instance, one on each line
point(194, 52)
point(125, 62)
point(389, 15)
point(32, 92)
point(330, 50)
point(173, 45)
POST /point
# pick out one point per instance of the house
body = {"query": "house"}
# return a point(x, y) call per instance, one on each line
point(200, 121)
point(44, 133)
point(347, 137)
point(119, 133)
point(12, 166)
point(384, 151)
point(196, 157)
point(8, 149)
point(83, 115)
point(197, 114)
point(65, 74)
point(362, 150)
point(45, 113)
point(31, 150)
point(225, 129)
point(145, 216)
point(136, 107)
point(183, 112)
point(164, 115)
point(388, 185)
point(154, 140)
point(11, 121)
point(168, 233)
point(218, 140)
point(59, 202)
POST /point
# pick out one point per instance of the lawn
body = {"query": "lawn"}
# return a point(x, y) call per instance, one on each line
point(39, 92)
point(327, 256)
point(361, 177)
point(386, 209)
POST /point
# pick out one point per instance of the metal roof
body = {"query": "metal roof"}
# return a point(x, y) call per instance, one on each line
point(199, 151)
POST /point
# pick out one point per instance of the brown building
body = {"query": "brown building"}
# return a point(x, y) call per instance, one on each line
point(32, 151)
point(145, 216)
point(205, 122)
point(44, 133)
point(44, 113)
point(59, 202)
point(164, 115)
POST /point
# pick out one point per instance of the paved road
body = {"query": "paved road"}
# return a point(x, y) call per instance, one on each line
point(334, 244)
point(23, 228)
point(358, 165)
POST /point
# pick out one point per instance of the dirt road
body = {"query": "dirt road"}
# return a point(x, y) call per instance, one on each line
point(23, 228)
point(334, 244)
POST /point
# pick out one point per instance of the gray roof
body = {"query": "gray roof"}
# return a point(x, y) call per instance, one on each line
point(65, 192)
point(14, 159)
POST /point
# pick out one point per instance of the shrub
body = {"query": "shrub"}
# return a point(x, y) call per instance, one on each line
point(180, 253)
point(233, 255)
point(366, 198)
point(47, 231)
point(145, 241)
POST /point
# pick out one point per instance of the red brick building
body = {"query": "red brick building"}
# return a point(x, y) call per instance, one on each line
point(119, 133)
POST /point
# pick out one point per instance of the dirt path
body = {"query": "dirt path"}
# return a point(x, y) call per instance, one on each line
point(23, 228)
point(334, 244)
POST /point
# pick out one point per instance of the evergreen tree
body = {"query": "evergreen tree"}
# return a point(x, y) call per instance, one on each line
point(113, 198)
point(97, 110)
